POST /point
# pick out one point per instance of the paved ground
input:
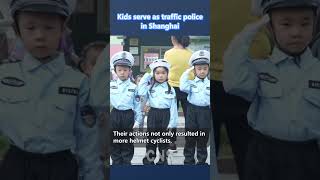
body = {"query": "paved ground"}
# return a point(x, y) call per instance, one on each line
point(175, 158)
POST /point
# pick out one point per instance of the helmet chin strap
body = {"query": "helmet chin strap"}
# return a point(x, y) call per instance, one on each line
point(201, 78)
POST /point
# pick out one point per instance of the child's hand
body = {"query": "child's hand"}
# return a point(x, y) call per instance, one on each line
point(190, 69)
point(151, 74)
point(256, 26)
point(136, 125)
point(146, 108)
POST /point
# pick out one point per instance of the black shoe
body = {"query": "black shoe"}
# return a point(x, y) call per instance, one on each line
point(172, 147)
point(160, 162)
point(189, 162)
point(202, 163)
point(145, 161)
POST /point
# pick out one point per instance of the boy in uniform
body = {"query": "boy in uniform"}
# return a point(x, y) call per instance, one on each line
point(54, 120)
point(126, 112)
point(198, 115)
point(283, 90)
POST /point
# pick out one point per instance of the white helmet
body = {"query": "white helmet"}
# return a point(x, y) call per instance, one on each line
point(159, 63)
point(61, 7)
point(200, 57)
point(123, 58)
point(260, 7)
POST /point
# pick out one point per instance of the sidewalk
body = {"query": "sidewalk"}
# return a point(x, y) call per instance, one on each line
point(174, 157)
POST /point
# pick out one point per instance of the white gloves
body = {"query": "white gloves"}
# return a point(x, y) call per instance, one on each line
point(250, 30)
point(190, 69)
point(240, 44)
point(136, 125)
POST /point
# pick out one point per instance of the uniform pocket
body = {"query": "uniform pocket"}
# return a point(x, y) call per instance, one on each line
point(207, 90)
point(65, 104)
point(194, 89)
point(169, 96)
point(269, 90)
point(312, 96)
point(114, 91)
point(13, 95)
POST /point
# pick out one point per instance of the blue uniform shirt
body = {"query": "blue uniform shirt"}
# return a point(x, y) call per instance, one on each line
point(44, 109)
point(123, 96)
point(99, 78)
point(285, 92)
point(198, 90)
point(160, 98)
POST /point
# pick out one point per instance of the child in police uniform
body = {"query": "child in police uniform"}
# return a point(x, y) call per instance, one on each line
point(283, 90)
point(198, 115)
point(163, 114)
point(126, 112)
point(54, 119)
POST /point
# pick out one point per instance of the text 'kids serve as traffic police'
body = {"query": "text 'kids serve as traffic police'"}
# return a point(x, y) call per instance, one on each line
point(163, 113)
point(198, 115)
point(44, 107)
point(283, 90)
point(126, 113)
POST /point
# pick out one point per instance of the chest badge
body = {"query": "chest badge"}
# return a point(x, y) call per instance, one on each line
point(267, 77)
point(12, 81)
point(314, 84)
point(69, 91)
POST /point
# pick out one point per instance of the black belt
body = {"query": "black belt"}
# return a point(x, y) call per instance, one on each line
point(159, 109)
point(270, 139)
point(198, 107)
point(115, 109)
point(31, 155)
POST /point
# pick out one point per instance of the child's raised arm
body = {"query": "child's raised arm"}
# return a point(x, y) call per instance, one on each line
point(239, 75)
point(185, 84)
point(143, 84)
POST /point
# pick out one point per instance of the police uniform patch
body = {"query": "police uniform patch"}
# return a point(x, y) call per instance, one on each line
point(12, 81)
point(88, 116)
point(138, 98)
point(69, 91)
point(267, 77)
point(314, 84)
point(131, 90)
point(201, 53)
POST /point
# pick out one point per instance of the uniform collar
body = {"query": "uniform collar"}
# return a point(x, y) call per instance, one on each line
point(164, 84)
point(56, 66)
point(198, 79)
point(306, 58)
point(278, 56)
point(120, 82)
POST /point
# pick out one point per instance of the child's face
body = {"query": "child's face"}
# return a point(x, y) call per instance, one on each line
point(160, 74)
point(122, 72)
point(40, 33)
point(201, 70)
point(293, 28)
